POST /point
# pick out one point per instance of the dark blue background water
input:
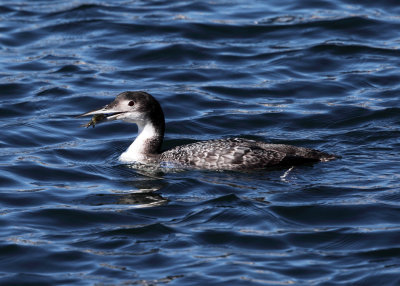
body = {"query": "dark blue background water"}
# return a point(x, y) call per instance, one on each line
point(320, 74)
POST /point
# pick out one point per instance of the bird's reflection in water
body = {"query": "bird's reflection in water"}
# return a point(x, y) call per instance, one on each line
point(140, 200)
point(141, 193)
point(134, 199)
point(140, 189)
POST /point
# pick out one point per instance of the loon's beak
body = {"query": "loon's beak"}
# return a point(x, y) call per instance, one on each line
point(111, 112)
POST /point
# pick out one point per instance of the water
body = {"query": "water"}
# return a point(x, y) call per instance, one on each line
point(319, 74)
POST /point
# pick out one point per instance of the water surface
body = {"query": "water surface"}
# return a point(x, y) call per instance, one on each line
point(323, 75)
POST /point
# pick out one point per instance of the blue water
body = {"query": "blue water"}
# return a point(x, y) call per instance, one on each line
point(319, 74)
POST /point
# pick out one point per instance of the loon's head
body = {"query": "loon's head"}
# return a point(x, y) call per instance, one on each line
point(133, 106)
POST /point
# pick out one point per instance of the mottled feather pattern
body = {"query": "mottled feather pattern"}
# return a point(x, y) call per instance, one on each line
point(239, 154)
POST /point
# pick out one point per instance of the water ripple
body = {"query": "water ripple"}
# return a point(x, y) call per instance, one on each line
point(321, 75)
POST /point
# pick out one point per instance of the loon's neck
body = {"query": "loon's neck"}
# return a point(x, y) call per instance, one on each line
point(147, 144)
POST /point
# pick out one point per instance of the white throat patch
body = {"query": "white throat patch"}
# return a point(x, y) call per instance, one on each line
point(136, 151)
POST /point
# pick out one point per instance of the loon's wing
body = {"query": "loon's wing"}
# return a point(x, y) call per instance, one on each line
point(223, 154)
point(241, 154)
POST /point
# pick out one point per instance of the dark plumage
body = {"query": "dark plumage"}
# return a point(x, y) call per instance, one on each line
point(241, 154)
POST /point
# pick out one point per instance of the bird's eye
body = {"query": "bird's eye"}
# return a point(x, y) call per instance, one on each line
point(131, 103)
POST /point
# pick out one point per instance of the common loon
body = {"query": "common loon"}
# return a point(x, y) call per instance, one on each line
point(144, 110)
